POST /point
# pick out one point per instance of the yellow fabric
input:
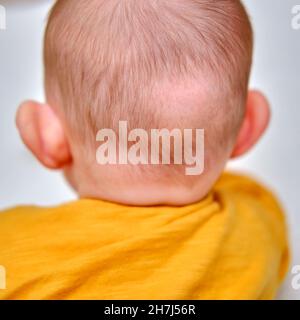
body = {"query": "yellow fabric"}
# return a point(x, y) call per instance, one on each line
point(231, 245)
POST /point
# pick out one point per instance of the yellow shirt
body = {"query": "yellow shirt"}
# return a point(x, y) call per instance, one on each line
point(231, 245)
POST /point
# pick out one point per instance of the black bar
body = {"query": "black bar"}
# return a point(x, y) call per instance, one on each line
point(152, 309)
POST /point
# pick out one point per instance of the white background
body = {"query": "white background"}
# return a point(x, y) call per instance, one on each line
point(276, 71)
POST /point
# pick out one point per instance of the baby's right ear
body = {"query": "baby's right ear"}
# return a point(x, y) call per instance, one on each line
point(255, 123)
point(42, 132)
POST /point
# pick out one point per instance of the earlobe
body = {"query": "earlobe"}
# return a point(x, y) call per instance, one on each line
point(255, 123)
point(42, 132)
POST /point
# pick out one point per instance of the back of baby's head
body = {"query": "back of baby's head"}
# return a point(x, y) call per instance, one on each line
point(153, 63)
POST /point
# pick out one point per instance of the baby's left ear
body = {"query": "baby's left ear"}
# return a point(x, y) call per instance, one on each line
point(255, 123)
point(43, 133)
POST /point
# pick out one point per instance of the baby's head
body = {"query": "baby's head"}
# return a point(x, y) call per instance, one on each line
point(174, 64)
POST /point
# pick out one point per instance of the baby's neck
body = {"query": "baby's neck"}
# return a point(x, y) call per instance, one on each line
point(114, 185)
point(144, 195)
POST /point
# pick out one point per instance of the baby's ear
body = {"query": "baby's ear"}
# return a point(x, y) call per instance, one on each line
point(255, 123)
point(42, 132)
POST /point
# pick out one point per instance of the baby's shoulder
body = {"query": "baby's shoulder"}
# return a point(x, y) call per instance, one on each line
point(243, 184)
point(248, 192)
